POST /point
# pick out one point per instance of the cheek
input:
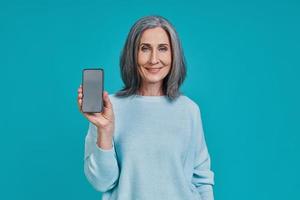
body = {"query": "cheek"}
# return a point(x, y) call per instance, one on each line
point(142, 58)
point(166, 58)
point(168, 69)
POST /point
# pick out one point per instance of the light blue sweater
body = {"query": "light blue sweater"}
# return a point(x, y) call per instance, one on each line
point(159, 152)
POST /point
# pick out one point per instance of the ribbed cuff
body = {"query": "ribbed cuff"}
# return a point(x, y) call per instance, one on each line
point(104, 155)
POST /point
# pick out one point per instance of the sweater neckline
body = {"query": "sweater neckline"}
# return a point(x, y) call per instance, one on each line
point(151, 98)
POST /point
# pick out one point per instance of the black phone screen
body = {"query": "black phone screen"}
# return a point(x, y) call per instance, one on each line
point(92, 88)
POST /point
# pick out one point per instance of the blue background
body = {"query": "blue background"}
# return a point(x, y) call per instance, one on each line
point(243, 71)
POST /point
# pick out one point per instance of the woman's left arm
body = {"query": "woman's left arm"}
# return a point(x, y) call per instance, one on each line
point(203, 177)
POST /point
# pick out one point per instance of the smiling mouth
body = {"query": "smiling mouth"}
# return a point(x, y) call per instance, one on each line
point(154, 70)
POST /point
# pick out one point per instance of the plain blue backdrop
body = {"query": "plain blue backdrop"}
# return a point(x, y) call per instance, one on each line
point(243, 71)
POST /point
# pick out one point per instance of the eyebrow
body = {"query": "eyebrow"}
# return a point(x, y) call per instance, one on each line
point(147, 44)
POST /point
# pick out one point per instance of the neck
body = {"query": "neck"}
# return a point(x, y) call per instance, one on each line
point(151, 90)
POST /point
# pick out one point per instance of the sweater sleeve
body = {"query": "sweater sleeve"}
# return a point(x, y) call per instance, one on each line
point(100, 165)
point(203, 177)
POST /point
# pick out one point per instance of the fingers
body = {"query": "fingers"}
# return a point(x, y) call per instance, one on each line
point(79, 89)
point(106, 101)
point(80, 95)
point(99, 119)
point(79, 98)
point(80, 105)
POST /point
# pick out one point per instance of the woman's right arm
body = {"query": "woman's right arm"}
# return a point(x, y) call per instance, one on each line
point(100, 161)
point(100, 165)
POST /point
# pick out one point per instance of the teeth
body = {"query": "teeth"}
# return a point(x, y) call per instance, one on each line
point(154, 70)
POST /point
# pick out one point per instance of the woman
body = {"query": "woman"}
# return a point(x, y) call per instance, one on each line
point(148, 143)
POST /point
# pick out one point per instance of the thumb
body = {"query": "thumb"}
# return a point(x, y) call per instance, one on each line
point(106, 99)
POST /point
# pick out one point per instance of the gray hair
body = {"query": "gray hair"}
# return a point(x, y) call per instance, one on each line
point(128, 58)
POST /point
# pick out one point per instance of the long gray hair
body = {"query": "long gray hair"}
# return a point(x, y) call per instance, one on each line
point(128, 58)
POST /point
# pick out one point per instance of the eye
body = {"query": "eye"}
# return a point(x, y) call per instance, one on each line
point(144, 48)
point(163, 49)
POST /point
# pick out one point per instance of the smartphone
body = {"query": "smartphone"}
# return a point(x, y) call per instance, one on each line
point(92, 89)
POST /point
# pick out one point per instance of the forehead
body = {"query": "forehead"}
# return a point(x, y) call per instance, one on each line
point(155, 35)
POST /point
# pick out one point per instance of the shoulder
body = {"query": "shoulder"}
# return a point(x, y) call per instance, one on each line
point(192, 105)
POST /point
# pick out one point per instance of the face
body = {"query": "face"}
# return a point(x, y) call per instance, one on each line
point(154, 56)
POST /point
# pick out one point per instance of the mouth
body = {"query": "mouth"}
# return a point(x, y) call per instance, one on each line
point(153, 70)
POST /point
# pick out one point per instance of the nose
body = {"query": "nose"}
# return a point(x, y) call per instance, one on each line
point(154, 57)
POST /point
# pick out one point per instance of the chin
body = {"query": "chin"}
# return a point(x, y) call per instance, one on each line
point(153, 81)
point(155, 78)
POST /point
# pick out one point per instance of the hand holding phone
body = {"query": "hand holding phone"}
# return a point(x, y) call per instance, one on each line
point(104, 121)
